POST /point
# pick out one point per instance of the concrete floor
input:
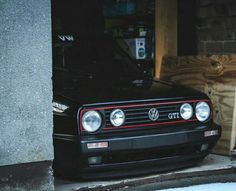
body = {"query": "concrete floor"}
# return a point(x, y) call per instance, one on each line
point(214, 168)
point(207, 187)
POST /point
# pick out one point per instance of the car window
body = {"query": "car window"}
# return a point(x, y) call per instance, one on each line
point(100, 57)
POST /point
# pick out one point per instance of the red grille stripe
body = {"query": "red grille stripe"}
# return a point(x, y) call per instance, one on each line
point(139, 105)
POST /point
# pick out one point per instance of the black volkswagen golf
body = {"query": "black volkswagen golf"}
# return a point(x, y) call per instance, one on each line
point(112, 120)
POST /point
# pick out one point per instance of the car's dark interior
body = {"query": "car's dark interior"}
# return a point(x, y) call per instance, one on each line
point(87, 50)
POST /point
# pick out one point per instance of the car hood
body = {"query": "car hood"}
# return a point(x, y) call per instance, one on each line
point(98, 92)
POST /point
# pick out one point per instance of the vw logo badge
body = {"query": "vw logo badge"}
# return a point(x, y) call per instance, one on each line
point(153, 114)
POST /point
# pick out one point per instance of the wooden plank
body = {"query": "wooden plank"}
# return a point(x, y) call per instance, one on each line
point(233, 135)
point(165, 31)
point(216, 76)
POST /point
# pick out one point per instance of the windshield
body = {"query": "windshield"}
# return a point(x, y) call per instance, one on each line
point(100, 58)
point(81, 47)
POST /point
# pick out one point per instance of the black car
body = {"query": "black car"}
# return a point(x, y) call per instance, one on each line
point(110, 119)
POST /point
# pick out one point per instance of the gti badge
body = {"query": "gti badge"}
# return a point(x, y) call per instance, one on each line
point(173, 115)
point(153, 114)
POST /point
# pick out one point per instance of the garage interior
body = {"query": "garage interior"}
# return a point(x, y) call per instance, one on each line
point(189, 42)
point(187, 37)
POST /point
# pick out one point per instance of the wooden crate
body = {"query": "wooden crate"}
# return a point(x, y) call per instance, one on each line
point(216, 76)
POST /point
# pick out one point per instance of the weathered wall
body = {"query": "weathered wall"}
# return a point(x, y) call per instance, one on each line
point(25, 83)
point(216, 26)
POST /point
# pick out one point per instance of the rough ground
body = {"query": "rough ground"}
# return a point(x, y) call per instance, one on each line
point(215, 168)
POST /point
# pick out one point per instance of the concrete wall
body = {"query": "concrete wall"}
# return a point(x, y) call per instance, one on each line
point(216, 27)
point(25, 84)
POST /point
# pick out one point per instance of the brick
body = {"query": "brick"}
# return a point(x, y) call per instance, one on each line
point(216, 23)
point(223, 1)
point(216, 35)
point(204, 35)
point(214, 47)
point(230, 34)
point(210, 2)
point(230, 47)
point(232, 8)
point(222, 35)
point(202, 24)
point(206, 2)
point(230, 22)
point(201, 47)
point(202, 12)
point(212, 11)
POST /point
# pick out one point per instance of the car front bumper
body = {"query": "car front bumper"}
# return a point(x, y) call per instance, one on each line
point(173, 150)
point(151, 141)
point(135, 155)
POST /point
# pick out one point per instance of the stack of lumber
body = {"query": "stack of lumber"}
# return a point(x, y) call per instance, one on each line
point(216, 76)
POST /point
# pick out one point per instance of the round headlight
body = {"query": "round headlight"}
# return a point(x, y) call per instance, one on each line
point(91, 121)
point(202, 111)
point(186, 111)
point(117, 117)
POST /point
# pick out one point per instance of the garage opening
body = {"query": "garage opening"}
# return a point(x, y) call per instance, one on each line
point(108, 42)
point(88, 35)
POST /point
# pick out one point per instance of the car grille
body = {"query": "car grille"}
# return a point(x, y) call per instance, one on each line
point(138, 114)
